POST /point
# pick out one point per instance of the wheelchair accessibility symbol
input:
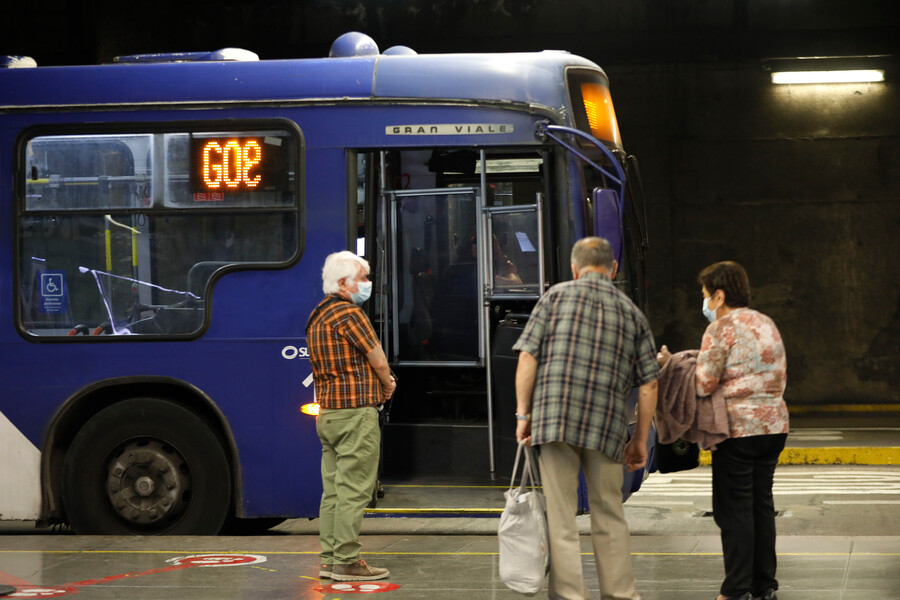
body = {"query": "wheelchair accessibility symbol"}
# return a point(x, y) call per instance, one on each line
point(53, 292)
point(51, 284)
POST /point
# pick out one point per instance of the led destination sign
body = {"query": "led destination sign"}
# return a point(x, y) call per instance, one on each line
point(227, 164)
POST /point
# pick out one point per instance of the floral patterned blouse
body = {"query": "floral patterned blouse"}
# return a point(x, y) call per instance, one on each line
point(742, 353)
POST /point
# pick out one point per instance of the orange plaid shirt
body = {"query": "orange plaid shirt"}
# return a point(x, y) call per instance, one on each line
point(339, 337)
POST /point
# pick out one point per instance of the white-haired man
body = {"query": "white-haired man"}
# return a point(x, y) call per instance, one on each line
point(352, 379)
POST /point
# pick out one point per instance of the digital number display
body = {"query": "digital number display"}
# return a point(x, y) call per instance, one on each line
point(229, 166)
point(237, 164)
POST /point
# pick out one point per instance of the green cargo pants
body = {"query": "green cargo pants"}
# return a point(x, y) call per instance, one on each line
point(351, 440)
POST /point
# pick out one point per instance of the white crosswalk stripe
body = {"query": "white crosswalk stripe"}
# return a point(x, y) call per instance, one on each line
point(787, 482)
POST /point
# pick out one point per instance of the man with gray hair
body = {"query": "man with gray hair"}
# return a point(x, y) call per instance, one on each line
point(352, 380)
point(584, 348)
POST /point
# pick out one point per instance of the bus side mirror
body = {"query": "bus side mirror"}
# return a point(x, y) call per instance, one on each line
point(608, 219)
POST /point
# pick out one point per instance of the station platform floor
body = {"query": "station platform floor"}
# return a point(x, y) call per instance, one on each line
point(838, 539)
point(422, 567)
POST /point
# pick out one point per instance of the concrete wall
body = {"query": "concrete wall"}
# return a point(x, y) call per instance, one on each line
point(801, 185)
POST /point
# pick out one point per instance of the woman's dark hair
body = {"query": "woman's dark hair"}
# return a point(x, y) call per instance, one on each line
point(729, 277)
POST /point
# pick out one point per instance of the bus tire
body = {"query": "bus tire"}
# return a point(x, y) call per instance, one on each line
point(146, 466)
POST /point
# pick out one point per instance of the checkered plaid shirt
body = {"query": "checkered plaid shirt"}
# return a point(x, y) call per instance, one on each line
point(592, 345)
point(339, 335)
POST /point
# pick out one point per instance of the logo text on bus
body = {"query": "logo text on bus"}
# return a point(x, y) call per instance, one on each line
point(450, 129)
point(292, 352)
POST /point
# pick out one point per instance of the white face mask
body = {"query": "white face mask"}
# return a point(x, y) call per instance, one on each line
point(707, 312)
point(364, 291)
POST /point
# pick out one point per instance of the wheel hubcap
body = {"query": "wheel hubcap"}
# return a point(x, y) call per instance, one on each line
point(147, 482)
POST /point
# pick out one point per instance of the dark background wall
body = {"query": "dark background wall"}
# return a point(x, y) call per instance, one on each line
point(801, 184)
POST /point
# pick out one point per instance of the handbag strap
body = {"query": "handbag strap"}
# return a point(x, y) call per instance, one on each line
point(529, 476)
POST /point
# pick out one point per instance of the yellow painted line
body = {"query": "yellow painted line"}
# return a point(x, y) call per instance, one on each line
point(175, 552)
point(840, 456)
point(391, 553)
point(453, 487)
point(399, 553)
point(431, 511)
point(830, 456)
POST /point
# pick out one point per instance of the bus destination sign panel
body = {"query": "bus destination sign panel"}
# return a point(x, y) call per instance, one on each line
point(229, 164)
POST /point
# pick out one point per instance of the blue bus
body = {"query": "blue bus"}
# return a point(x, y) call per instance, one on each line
point(165, 219)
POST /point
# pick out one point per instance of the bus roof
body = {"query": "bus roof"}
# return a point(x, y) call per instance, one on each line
point(536, 78)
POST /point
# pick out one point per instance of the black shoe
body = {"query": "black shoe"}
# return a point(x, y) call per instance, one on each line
point(769, 595)
point(747, 596)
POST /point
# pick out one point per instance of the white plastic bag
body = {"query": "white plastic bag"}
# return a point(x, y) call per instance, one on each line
point(524, 546)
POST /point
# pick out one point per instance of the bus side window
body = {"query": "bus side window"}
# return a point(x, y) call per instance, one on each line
point(117, 238)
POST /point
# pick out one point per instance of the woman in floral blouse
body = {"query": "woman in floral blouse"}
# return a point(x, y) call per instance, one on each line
point(742, 353)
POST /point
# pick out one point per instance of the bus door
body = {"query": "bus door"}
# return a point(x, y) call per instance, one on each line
point(453, 259)
point(437, 291)
point(514, 229)
point(514, 244)
point(457, 266)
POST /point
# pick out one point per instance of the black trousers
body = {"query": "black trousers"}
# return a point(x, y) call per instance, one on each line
point(743, 508)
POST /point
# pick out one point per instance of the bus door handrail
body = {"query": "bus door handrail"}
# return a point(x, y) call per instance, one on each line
point(489, 212)
point(392, 197)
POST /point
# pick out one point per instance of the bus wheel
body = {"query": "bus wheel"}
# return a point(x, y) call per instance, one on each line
point(146, 466)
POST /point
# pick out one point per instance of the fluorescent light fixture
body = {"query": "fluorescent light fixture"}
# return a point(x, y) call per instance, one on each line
point(856, 76)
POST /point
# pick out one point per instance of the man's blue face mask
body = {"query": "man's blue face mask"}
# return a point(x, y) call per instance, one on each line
point(364, 291)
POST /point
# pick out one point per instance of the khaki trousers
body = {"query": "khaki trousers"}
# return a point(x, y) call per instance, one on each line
point(560, 464)
point(351, 441)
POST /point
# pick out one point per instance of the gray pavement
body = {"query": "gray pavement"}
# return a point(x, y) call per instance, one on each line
point(677, 567)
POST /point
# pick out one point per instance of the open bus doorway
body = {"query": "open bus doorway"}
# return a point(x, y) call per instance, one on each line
point(456, 247)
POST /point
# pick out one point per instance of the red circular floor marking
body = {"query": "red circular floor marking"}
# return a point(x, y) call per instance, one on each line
point(357, 587)
point(218, 560)
point(41, 591)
